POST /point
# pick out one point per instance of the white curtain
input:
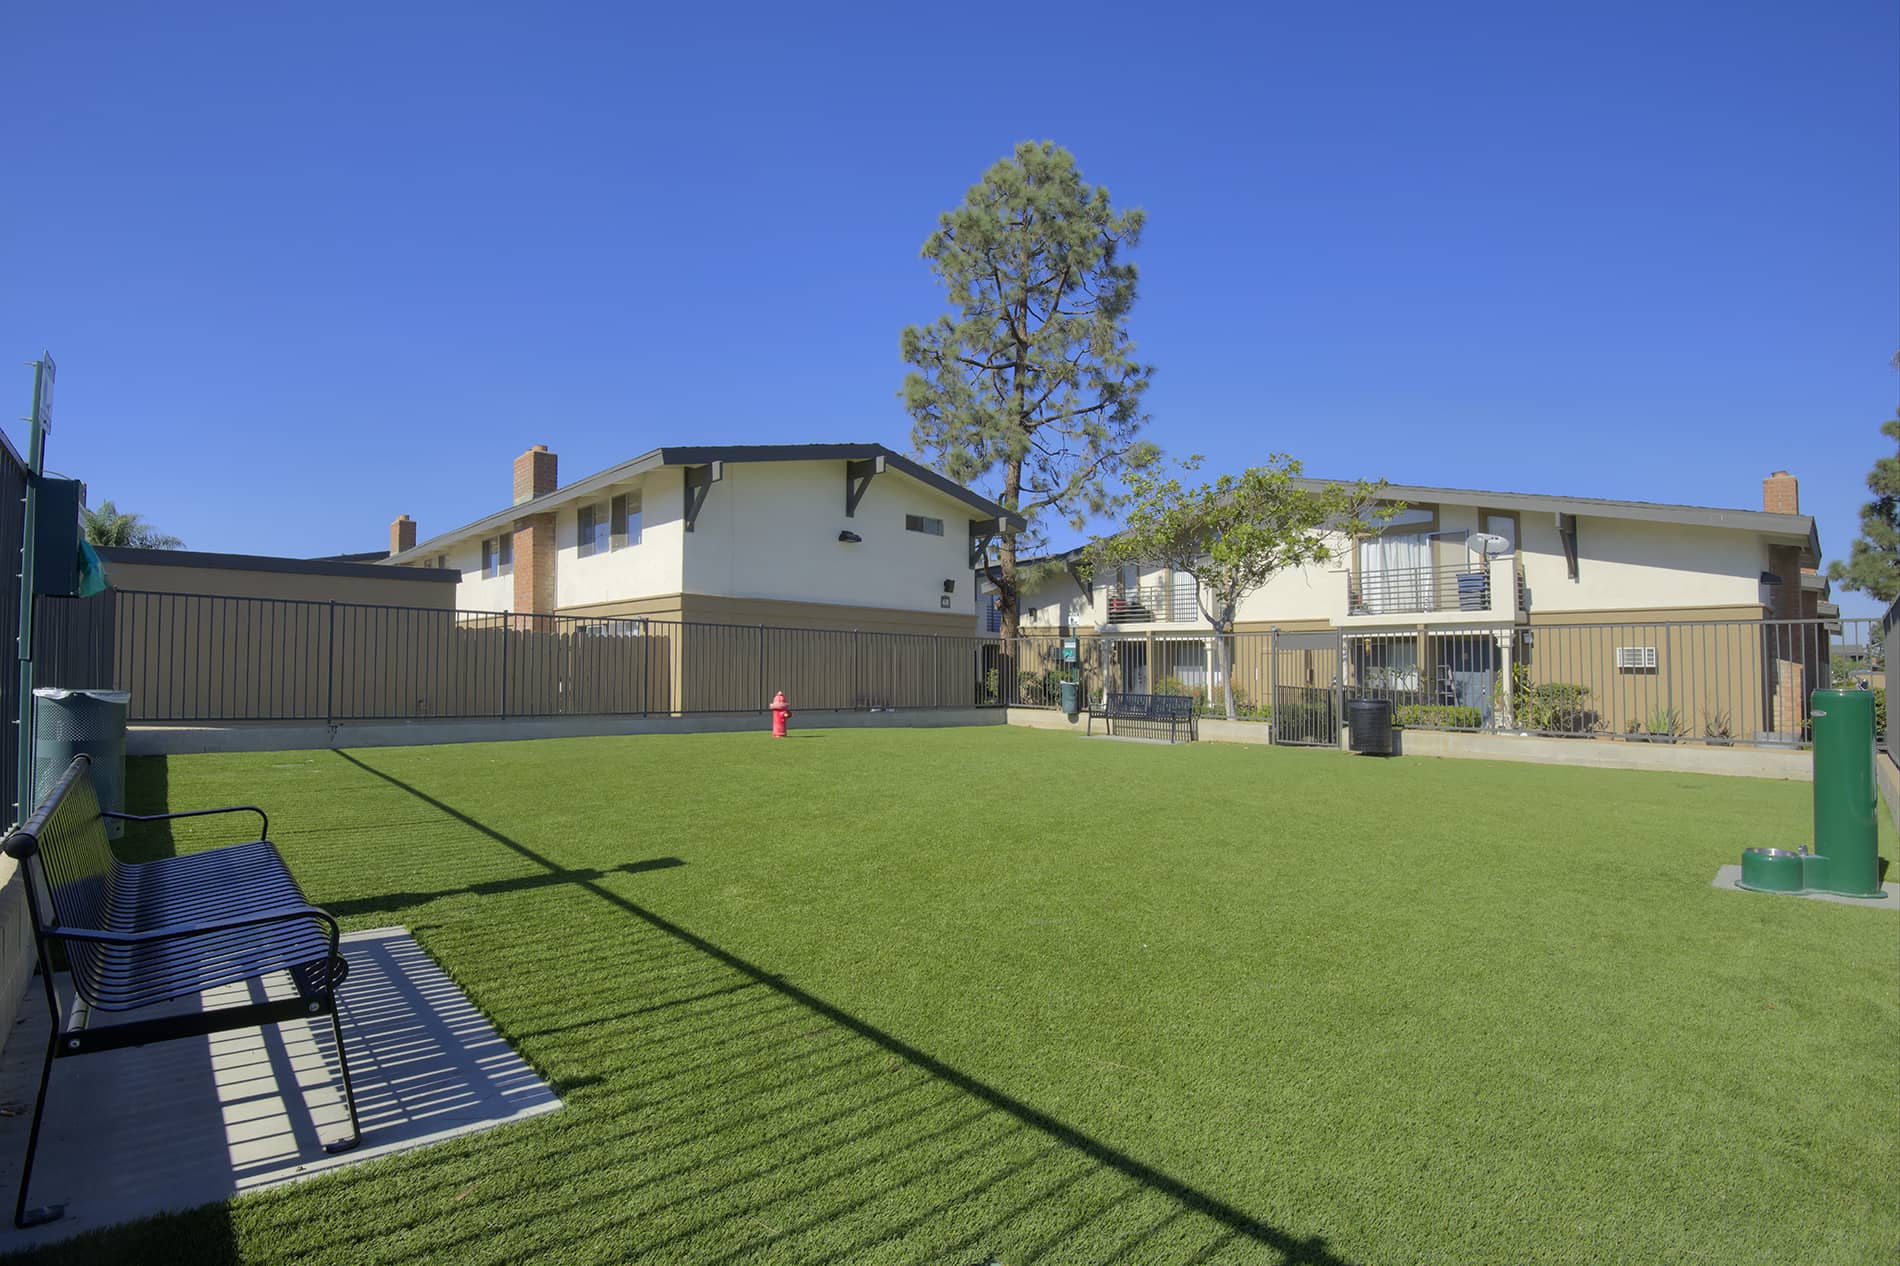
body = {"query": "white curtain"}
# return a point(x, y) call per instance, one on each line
point(1395, 573)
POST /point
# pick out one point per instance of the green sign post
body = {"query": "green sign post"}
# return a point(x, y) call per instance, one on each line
point(39, 422)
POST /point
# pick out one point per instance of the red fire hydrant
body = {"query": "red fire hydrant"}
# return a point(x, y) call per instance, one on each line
point(781, 713)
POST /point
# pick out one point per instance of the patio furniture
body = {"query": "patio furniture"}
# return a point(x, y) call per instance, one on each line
point(1176, 712)
point(138, 935)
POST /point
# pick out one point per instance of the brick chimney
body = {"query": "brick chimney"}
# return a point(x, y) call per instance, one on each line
point(535, 474)
point(402, 535)
point(1781, 493)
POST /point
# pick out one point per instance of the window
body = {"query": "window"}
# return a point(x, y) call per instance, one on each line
point(625, 515)
point(498, 555)
point(592, 522)
point(1504, 525)
point(923, 523)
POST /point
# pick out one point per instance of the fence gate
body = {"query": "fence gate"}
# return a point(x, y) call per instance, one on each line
point(1303, 670)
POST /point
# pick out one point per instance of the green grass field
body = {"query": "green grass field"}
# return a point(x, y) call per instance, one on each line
point(963, 996)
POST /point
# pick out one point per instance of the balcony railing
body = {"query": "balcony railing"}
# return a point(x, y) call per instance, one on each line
point(1411, 590)
point(1138, 605)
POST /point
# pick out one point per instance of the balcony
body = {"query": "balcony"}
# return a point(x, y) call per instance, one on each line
point(1152, 604)
point(1490, 589)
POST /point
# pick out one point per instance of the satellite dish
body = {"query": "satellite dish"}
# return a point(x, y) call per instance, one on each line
point(1487, 544)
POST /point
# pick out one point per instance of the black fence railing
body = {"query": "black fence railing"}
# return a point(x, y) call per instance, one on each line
point(1717, 683)
point(208, 658)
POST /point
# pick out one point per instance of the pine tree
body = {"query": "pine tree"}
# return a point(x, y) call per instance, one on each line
point(1873, 565)
point(1032, 383)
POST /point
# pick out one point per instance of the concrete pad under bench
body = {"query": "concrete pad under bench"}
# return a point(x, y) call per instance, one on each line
point(172, 1126)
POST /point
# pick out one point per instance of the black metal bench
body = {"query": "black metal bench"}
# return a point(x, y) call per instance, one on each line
point(137, 935)
point(1176, 712)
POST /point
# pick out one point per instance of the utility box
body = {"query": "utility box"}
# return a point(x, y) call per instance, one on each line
point(56, 538)
point(67, 723)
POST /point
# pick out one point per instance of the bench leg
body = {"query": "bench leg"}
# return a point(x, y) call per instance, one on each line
point(24, 1217)
point(349, 1091)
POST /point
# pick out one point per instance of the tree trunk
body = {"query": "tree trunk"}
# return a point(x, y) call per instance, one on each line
point(1226, 645)
point(1008, 597)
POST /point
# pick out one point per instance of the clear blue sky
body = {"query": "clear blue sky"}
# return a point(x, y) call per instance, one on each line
point(305, 268)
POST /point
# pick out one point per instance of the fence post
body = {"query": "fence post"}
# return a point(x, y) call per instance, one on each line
point(1273, 684)
point(1339, 692)
point(329, 676)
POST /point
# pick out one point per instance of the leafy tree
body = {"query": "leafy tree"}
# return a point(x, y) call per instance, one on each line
point(1873, 564)
point(108, 526)
point(1032, 384)
point(1237, 532)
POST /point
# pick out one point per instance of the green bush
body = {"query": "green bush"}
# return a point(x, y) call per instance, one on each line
point(1553, 707)
point(1439, 716)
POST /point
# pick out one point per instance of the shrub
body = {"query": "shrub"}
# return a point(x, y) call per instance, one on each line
point(1880, 714)
point(1553, 707)
point(1439, 716)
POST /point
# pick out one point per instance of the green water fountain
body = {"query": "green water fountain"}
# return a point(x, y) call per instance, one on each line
point(1845, 860)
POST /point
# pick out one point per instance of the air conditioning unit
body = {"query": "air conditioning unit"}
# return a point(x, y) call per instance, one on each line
point(1635, 658)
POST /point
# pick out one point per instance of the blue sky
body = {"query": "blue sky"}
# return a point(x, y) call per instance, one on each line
point(306, 269)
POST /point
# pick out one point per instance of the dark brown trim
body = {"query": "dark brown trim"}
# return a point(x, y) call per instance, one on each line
point(269, 563)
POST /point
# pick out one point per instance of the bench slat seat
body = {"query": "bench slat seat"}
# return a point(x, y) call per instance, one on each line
point(139, 934)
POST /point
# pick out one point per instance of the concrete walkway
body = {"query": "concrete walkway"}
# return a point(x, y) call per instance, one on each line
point(135, 1132)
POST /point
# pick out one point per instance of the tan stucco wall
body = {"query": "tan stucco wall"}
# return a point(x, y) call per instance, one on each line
point(775, 613)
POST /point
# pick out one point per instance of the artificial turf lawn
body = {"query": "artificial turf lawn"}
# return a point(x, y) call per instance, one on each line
point(1001, 995)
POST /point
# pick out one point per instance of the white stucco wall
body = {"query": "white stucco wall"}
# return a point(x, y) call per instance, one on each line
point(648, 569)
point(1623, 564)
point(476, 593)
point(770, 530)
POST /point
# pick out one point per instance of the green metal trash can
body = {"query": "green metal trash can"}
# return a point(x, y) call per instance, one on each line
point(69, 722)
point(1071, 697)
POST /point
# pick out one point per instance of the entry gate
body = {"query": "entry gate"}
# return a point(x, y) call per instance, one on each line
point(1307, 688)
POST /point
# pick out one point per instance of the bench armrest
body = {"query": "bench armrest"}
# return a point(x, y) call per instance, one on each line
point(179, 931)
point(263, 833)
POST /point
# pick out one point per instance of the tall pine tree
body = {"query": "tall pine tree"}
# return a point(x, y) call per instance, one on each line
point(1031, 386)
point(1873, 565)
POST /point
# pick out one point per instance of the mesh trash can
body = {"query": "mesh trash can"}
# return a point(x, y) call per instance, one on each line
point(69, 722)
point(1370, 723)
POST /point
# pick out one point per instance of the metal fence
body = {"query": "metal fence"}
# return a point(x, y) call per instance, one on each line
point(206, 658)
point(203, 658)
point(1717, 682)
point(12, 539)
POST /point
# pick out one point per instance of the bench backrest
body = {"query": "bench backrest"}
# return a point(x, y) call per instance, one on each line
point(68, 862)
point(1161, 707)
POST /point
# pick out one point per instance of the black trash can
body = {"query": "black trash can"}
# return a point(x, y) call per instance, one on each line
point(1370, 723)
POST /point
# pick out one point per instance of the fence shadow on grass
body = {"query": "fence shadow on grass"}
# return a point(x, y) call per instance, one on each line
point(734, 1114)
point(390, 902)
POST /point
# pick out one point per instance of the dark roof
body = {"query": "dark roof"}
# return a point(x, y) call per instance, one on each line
point(705, 455)
point(267, 562)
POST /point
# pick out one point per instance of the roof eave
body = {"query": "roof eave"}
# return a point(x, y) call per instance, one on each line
point(701, 456)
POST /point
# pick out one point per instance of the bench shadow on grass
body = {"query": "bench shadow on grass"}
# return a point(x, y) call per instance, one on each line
point(749, 1117)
